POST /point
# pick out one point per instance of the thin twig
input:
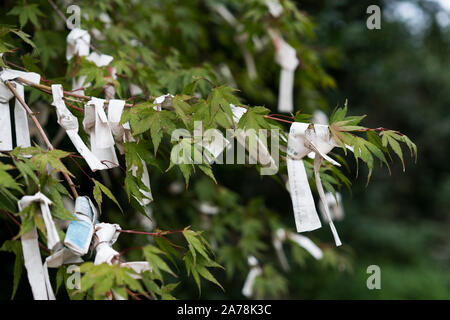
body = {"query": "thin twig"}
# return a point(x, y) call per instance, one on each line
point(48, 89)
point(282, 120)
point(42, 133)
point(155, 234)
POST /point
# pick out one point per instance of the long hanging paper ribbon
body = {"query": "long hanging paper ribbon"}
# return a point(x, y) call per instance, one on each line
point(317, 163)
point(30, 247)
point(304, 138)
point(255, 271)
point(115, 110)
point(282, 235)
point(20, 115)
point(278, 239)
point(260, 154)
point(335, 206)
point(286, 57)
point(95, 123)
point(70, 123)
point(306, 218)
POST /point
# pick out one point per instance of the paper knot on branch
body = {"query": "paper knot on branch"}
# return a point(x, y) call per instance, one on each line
point(78, 41)
point(122, 133)
point(282, 235)
point(258, 152)
point(255, 271)
point(70, 123)
point(30, 246)
point(303, 139)
point(22, 130)
point(95, 123)
point(79, 233)
point(286, 57)
point(106, 235)
point(78, 44)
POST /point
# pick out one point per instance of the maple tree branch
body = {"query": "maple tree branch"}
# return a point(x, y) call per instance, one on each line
point(41, 132)
point(48, 90)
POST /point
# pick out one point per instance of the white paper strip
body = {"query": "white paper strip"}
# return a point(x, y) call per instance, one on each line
point(278, 239)
point(78, 42)
point(304, 138)
point(255, 271)
point(148, 197)
point(306, 218)
point(335, 206)
point(70, 123)
point(275, 8)
point(307, 244)
point(115, 109)
point(95, 123)
point(137, 266)
point(282, 235)
point(33, 264)
point(286, 57)
point(106, 235)
point(20, 115)
point(261, 153)
point(53, 240)
point(6, 143)
point(163, 101)
point(79, 233)
point(317, 163)
point(63, 256)
point(30, 247)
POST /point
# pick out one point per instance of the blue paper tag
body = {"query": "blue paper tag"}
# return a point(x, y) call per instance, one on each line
point(78, 233)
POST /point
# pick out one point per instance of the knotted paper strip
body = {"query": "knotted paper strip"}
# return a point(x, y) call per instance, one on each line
point(103, 60)
point(20, 114)
point(60, 257)
point(78, 42)
point(70, 123)
point(255, 271)
point(304, 138)
point(79, 233)
point(259, 154)
point(106, 235)
point(30, 246)
point(335, 205)
point(95, 123)
point(286, 57)
point(275, 8)
point(282, 235)
point(115, 110)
